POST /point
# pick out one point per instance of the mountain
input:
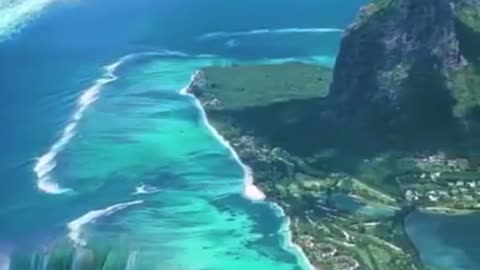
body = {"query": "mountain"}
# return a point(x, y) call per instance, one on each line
point(411, 64)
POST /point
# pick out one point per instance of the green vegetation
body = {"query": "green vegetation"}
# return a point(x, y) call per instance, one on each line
point(369, 10)
point(467, 90)
point(336, 239)
point(242, 86)
point(469, 14)
point(347, 206)
point(466, 81)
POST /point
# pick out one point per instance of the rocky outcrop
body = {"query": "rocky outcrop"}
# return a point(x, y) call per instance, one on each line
point(403, 61)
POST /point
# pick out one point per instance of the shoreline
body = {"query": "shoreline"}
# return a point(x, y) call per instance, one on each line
point(250, 190)
point(290, 244)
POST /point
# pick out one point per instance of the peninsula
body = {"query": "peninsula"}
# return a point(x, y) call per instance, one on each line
point(348, 153)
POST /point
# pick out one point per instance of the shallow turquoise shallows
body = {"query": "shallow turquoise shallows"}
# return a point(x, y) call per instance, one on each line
point(145, 175)
point(151, 146)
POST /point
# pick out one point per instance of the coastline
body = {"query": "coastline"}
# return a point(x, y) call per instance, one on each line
point(244, 107)
point(290, 244)
point(250, 190)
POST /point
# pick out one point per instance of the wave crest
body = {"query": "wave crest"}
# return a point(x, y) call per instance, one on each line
point(46, 163)
point(214, 35)
point(250, 191)
point(75, 227)
point(15, 14)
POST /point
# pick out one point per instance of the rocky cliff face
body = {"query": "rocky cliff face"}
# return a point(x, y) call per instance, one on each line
point(405, 61)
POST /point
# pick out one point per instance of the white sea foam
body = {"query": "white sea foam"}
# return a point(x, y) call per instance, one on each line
point(15, 14)
point(289, 244)
point(214, 35)
point(46, 163)
point(293, 246)
point(250, 191)
point(145, 189)
point(75, 227)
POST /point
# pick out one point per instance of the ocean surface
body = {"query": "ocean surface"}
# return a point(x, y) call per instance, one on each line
point(105, 164)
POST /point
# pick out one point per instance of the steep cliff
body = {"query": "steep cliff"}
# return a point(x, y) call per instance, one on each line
point(411, 64)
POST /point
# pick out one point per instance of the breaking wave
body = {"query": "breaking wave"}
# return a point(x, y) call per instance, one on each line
point(214, 35)
point(46, 163)
point(15, 14)
point(75, 227)
point(250, 191)
point(288, 243)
